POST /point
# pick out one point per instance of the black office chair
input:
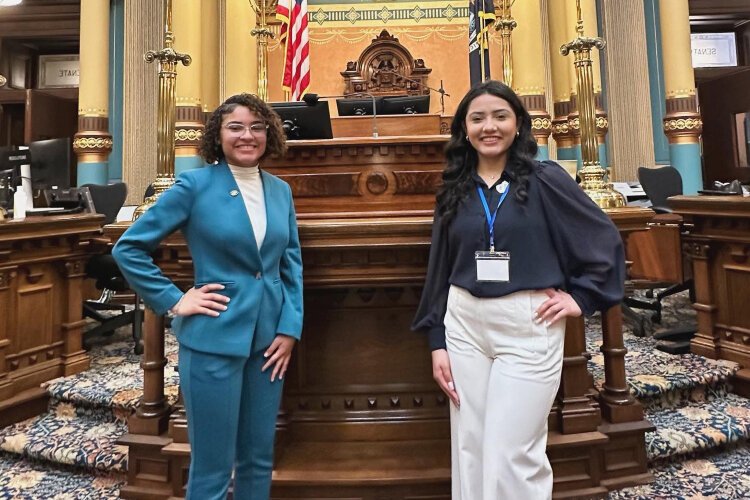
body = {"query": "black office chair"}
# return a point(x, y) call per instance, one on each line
point(659, 184)
point(107, 201)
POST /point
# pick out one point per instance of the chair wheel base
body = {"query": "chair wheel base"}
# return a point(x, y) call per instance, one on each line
point(680, 347)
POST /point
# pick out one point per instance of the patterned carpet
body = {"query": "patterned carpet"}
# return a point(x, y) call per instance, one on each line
point(700, 448)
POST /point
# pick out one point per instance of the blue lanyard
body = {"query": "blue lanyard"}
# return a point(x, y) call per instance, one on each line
point(491, 218)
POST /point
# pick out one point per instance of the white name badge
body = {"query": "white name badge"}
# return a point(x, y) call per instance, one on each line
point(492, 266)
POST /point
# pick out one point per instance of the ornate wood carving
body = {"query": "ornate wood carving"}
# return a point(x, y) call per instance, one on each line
point(360, 379)
point(718, 245)
point(40, 299)
point(385, 68)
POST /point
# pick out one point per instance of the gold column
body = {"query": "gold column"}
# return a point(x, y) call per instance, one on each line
point(93, 142)
point(682, 123)
point(189, 126)
point(560, 79)
point(210, 55)
point(628, 95)
point(528, 74)
point(239, 49)
point(592, 174)
point(168, 59)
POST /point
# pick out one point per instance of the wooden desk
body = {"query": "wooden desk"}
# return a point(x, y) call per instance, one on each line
point(42, 268)
point(656, 254)
point(719, 246)
point(361, 416)
point(390, 125)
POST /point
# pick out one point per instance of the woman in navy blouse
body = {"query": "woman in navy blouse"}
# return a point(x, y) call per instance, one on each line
point(517, 247)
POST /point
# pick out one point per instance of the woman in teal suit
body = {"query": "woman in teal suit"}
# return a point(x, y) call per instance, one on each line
point(237, 326)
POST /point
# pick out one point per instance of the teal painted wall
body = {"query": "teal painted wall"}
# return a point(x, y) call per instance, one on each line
point(116, 67)
point(92, 173)
point(686, 158)
point(566, 154)
point(183, 163)
point(656, 80)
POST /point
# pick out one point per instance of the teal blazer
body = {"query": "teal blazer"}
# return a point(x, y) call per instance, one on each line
point(264, 285)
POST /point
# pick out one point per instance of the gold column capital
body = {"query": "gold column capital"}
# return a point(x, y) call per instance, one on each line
point(188, 130)
point(92, 146)
point(682, 122)
point(541, 121)
point(93, 142)
point(561, 131)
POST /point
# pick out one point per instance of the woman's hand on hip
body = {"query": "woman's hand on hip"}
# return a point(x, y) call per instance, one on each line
point(559, 305)
point(202, 300)
point(441, 372)
point(278, 355)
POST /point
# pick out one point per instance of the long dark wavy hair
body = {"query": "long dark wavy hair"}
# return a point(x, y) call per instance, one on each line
point(462, 158)
point(210, 148)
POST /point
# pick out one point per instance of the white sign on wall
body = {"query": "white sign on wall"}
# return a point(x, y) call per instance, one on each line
point(59, 71)
point(713, 49)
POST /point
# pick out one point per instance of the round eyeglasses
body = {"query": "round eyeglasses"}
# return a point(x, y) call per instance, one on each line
point(238, 129)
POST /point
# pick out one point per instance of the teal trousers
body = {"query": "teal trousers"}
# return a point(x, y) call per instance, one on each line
point(231, 408)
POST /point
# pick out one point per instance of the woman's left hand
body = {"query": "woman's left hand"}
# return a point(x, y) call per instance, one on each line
point(558, 306)
point(279, 353)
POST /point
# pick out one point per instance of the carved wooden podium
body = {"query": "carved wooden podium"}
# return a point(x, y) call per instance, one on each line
point(361, 416)
point(719, 247)
point(42, 269)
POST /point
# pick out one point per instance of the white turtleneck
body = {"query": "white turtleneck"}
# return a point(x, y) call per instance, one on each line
point(251, 186)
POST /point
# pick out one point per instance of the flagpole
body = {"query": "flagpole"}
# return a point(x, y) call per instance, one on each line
point(480, 39)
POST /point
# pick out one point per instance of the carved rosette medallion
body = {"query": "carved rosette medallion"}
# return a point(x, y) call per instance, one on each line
point(541, 121)
point(682, 122)
point(93, 142)
point(188, 129)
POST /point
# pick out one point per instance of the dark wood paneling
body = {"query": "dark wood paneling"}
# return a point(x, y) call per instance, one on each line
point(719, 247)
point(35, 19)
point(721, 99)
point(42, 262)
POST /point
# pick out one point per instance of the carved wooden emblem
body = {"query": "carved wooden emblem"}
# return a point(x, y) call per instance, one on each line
point(386, 67)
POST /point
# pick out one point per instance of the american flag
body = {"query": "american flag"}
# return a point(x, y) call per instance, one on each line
point(293, 17)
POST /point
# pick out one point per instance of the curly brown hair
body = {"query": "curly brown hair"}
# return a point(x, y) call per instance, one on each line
point(211, 142)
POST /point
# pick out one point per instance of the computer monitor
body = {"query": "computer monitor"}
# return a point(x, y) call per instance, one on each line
point(304, 121)
point(358, 106)
point(12, 158)
point(405, 105)
point(51, 163)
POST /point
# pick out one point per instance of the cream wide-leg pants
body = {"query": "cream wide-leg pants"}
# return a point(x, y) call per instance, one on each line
point(506, 370)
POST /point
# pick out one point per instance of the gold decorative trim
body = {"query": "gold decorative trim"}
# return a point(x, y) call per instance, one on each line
point(92, 143)
point(683, 129)
point(93, 112)
point(671, 94)
point(541, 123)
point(384, 14)
point(521, 91)
point(188, 134)
point(694, 124)
point(188, 101)
point(92, 147)
point(574, 124)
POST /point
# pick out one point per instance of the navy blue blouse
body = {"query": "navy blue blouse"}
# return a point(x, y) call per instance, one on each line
point(559, 238)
